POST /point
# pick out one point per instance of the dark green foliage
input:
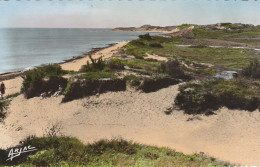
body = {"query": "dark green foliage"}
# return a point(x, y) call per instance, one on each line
point(120, 145)
point(148, 65)
point(137, 43)
point(115, 64)
point(35, 76)
point(67, 151)
point(210, 95)
point(152, 85)
point(155, 45)
point(98, 69)
point(98, 75)
point(145, 37)
point(173, 68)
point(50, 85)
point(13, 95)
point(132, 80)
point(252, 71)
point(95, 65)
point(84, 88)
point(199, 32)
point(3, 106)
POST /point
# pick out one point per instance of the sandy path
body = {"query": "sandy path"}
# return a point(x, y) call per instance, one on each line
point(231, 135)
point(13, 85)
point(155, 57)
point(105, 53)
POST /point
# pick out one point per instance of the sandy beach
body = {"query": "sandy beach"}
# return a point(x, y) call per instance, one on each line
point(229, 135)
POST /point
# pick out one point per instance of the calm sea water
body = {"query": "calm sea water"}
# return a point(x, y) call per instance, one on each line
point(21, 48)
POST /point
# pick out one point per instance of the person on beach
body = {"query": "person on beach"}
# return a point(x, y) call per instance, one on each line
point(59, 92)
point(2, 90)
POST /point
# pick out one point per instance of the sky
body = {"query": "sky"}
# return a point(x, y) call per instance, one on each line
point(124, 13)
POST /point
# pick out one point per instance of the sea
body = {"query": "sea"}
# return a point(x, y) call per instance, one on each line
point(28, 47)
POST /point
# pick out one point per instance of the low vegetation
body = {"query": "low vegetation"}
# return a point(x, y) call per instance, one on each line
point(228, 58)
point(3, 106)
point(210, 95)
point(66, 151)
point(132, 80)
point(97, 69)
point(35, 76)
point(181, 27)
point(199, 32)
point(252, 71)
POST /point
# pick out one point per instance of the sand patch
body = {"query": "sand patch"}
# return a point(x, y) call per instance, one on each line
point(231, 135)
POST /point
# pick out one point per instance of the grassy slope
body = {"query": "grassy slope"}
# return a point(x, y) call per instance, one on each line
point(232, 59)
point(64, 151)
point(199, 32)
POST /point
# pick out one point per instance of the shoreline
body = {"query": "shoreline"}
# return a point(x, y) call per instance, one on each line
point(13, 74)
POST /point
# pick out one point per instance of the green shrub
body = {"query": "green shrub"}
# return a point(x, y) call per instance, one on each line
point(3, 106)
point(184, 26)
point(137, 43)
point(132, 80)
point(155, 45)
point(95, 65)
point(98, 75)
point(35, 76)
point(210, 95)
point(67, 87)
point(173, 68)
point(116, 64)
point(145, 37)
point(13, 95)
point(67, 151)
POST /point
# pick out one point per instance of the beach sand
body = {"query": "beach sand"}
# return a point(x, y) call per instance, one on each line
point(105, 53)
point(230, 135)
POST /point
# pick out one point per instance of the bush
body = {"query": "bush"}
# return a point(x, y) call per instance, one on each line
point(252, 71)
point(132, 80)
point(155, 45)
point(137, 43)
point(210, 95)
point(95, 65)
point(115, 64)
point(50, 85)
point(67, 151)
point(86, 88)
point(35, 76)
point(145, 37)
point(173, 68)
point(3, 106)
point(152, 85)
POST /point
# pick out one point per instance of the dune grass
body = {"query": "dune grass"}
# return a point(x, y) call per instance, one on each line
point(3, 106)
point(213, 94)
point(199, 32)
point(35, 76)
point(230, 58)
point(66, 151)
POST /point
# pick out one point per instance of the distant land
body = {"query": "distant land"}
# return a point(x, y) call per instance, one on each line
point(185, 30)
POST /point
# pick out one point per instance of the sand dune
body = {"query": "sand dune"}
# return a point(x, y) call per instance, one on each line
point(230, 135)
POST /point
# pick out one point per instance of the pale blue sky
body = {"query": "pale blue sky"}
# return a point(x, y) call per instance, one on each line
point(114, 13)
